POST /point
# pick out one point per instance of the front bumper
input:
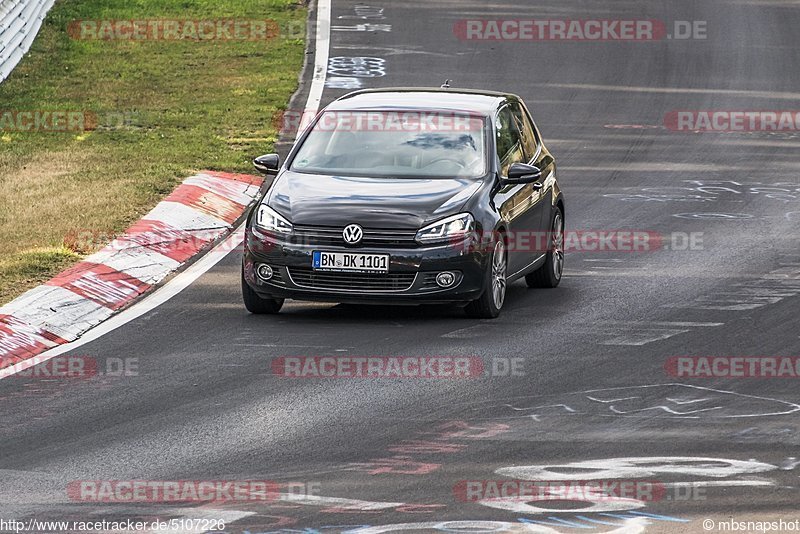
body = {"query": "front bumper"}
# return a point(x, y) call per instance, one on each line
point(411, 277)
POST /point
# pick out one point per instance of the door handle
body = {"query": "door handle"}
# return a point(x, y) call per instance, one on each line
point(537, 185)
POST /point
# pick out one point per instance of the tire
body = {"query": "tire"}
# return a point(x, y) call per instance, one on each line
point(491, 301)
point(256, 304)
point(549, 274)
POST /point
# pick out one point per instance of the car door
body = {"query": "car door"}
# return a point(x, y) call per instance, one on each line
point(536, 154)
point(516, 202)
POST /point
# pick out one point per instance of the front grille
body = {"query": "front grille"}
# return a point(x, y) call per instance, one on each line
point(277, 276)
point(304, 277)
point(429, 281)
point(332, 235)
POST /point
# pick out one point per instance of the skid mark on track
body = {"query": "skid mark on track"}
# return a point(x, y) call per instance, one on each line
point(771, 288)
point(475, 331)
point(637, 334)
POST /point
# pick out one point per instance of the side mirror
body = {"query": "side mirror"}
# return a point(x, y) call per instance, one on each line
point(522, 173)
point(268, 163)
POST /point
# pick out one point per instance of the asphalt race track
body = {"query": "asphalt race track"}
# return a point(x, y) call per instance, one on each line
point(591, 398)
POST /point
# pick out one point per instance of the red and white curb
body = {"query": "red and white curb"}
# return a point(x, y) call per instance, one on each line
point(189, 221)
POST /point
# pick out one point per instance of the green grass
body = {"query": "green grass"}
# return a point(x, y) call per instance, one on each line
point(165, 109)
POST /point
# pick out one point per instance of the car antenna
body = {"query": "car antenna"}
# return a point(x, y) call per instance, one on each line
point(446, 84)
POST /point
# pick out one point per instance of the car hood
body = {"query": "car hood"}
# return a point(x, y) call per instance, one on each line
point(323, 200)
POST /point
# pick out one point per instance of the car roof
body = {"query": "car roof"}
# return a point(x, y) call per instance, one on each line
point(410, 98)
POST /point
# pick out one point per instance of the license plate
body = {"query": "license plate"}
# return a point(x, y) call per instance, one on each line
point(353, 262)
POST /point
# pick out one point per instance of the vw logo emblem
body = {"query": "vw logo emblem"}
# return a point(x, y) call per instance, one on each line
point(352, 234)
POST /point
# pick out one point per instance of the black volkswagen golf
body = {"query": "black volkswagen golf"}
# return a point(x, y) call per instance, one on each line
point(408, 196)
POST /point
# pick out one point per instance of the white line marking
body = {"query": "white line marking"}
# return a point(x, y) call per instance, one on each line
point(321, 52)
point(218, 253)
point(567, 408)
point(664, 408)
point(610, 400)
point(193, 520)
point(477, 527)
point(686, 401)
point(681, 323)
point(639, 338)
point(280, 345)
point(637, 467)
point(592, 394)
point(338, 502)
point(468, 332)
point(719, 483)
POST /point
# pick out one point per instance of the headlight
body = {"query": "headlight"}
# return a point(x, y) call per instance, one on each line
point(451, 228)
point(270, 220)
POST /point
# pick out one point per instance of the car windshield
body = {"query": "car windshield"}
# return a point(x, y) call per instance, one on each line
point(395, 145)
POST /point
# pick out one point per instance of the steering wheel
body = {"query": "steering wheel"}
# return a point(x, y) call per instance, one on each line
point(445, 158)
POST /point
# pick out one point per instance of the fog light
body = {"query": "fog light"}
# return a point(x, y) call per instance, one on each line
point(445, 279)
point(265, 271)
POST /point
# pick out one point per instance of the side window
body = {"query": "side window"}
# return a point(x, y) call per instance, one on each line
point(509, 142)
point(529, 141)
